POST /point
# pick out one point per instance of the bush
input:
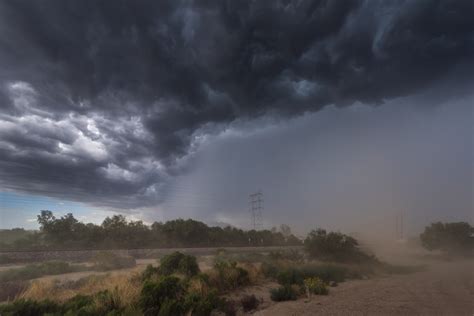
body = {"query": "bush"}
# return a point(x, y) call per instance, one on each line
point(453, 238)
point(249, 302)
point(297, 274)
point(150, 272)
point(162, 297)
point(34, 271)
point(227, 276)
point(290, 276)
point(315, 286)
point(179, 262)
point(328, 272)
point(334, 246)
point(269, 270)
point(201, 304)
point(228, 307)
point(105, 261)
point(79, 305)
point(283, 293)
point(29, 308)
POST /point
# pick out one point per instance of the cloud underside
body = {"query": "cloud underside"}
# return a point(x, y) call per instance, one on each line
point(104, 101)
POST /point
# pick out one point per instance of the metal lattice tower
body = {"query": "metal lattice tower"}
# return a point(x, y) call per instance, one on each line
point(256, 208)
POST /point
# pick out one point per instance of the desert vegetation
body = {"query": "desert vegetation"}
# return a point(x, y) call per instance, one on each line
point(176, 284)
point(453, 238)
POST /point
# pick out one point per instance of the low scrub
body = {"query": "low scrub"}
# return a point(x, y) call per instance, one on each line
point(295, 274)
point(163, 297)
point(34, 271)
point(226, 276)
point(290, 255)
point(106, 261)
point(315, 286)
point(178, 262)
point(150, 272)
point(102, 303)
point(249, 302)
point(284, 293)
point(29, 308)
point(335, 247)
point(202, 304)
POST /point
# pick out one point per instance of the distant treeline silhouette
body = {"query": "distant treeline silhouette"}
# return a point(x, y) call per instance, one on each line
point(66, 232)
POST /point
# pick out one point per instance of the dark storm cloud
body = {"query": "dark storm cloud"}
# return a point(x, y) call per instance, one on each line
point(103, 99)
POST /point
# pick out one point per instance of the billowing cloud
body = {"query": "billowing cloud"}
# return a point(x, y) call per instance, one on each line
point(103, 101)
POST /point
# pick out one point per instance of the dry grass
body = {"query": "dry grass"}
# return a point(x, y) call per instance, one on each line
point(124, 288)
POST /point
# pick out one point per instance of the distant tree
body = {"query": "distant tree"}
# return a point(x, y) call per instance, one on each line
point(117, 232)
point(449, 237)
point(45, 219)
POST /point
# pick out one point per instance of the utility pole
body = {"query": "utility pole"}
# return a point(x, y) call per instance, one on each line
point(256, 207)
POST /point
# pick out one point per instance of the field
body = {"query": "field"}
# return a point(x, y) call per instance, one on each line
point(413, 283)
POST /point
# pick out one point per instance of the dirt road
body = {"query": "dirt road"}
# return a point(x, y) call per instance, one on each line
point(445, 288)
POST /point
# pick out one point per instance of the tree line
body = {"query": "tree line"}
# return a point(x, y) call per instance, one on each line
point(66, 232)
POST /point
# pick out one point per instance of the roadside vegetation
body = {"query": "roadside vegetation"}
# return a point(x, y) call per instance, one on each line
point(176, 285)
point(452, 238)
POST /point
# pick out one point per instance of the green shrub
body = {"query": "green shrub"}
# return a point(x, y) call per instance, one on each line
point(105, 261)
point(249, 302)
point(78, 303)
point(290, 255)
point(228, 307)
point(202, 304)
point(334, 246)
point(179, 262)
point(150, 272)
point(283, 293)
point(188, 266)
point(290, 276)
point(269, 270)
point(295, 274)
point(316, 286)
point(29, 308)
point(229, 276)
point(163, 296)
point(328, 272)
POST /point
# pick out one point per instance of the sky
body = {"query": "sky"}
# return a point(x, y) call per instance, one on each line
point(343, 113)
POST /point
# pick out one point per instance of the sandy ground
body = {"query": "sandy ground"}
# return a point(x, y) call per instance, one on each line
point(445, 288)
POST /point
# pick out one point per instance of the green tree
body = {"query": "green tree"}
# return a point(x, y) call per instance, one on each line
point(449, 237)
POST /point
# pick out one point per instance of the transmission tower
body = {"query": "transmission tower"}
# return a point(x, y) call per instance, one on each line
point(256, 207)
